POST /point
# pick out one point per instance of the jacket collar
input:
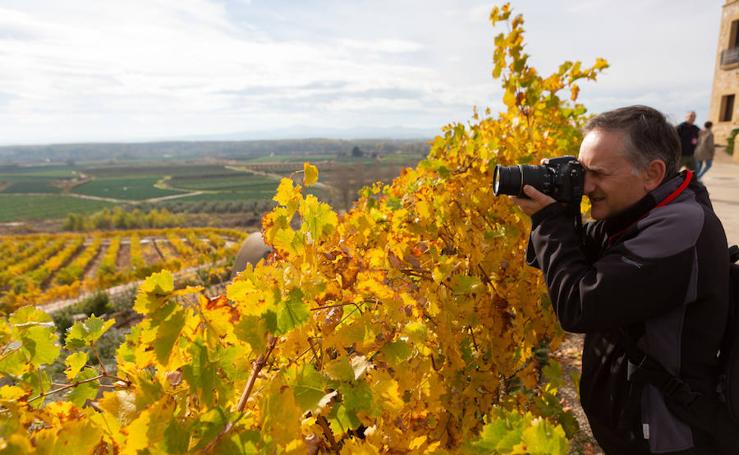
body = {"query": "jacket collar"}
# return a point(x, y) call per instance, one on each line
point(618, 223)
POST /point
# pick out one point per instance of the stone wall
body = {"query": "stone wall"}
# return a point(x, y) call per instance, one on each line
point(726, 78)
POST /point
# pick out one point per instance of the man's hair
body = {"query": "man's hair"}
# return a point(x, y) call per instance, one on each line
point(708, 125)
point(648, 135)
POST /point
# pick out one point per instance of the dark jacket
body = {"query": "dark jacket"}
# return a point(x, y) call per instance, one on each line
point(688, 138)
point(657, 271)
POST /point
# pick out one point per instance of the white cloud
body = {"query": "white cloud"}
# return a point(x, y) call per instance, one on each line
point(77, 70)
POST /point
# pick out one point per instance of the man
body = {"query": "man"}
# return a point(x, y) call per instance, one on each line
point(688, 133)
point(652, 268)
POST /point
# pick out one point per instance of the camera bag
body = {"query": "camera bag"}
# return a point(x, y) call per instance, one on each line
point(717, 415)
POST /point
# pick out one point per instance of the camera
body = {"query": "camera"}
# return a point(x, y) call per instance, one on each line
point(562, 178)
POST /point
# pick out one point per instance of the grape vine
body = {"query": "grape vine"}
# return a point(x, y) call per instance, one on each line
point(410, 324)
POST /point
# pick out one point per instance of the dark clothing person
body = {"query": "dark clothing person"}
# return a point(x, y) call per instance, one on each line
point(688, 140)
point(657, 271)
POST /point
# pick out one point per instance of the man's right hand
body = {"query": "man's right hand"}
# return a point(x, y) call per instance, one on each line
point(536, 201)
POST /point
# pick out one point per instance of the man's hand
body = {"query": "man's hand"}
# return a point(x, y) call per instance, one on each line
point(537, 200)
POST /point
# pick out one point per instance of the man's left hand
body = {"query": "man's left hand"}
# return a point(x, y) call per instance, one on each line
point(537, 200)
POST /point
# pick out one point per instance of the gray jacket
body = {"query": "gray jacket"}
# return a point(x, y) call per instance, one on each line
point(705, 149)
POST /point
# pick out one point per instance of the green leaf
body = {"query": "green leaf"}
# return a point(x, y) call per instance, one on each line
point(75, 362)
point(416, 331)
point(543, 438)
point(154, 292)
point(252, 330)
point(318, 218)
point(243, 443)
point(464, 284)
point(13, 362)
point(29, 315)
point(41, 343)
point(209, 425)
point(292, 312)
point(308, 386)
point(176, 437)
point(394, 203)
point(342, 420)
point(501, 435)
point(201, 373)
point(397, 352)
point(87, 332)
point(553, 373)
point(339, 369)
point(87, 391)
point(167, 334)
point(357, 397)
point(40, 382)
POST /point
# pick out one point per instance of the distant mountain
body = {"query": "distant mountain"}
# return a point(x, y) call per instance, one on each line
point(309, 132)
point(198, 149)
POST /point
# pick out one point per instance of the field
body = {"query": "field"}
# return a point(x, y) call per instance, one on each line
point(27, 207)
point(235, 181)
point(42, 268)
point(208, 186)
point(126, 188)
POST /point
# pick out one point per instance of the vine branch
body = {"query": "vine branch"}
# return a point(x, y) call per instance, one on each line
point(75, 384)
point(256, 368)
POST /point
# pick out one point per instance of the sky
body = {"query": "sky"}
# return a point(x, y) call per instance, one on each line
point(141, 70)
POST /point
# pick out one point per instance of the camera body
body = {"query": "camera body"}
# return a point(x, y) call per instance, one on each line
point(562, 178)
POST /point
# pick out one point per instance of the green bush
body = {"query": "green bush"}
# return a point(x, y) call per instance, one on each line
point(730, 141)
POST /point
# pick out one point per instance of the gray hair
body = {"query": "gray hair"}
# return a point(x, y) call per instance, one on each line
point(648, 135)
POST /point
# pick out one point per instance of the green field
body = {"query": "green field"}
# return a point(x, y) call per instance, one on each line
point(228, 182)
point(296, 158)
point(30, 185)
point(128, 188)
point(41, 207)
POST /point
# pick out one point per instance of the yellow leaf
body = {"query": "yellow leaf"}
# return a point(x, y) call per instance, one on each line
point(287, 195)
point(310, 174)
point(417, 442)
point(74, 363)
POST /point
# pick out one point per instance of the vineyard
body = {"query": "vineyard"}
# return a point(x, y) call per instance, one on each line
point(36, 269)
point(409, 324)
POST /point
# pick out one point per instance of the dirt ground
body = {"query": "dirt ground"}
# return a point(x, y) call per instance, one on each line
point(569, 357)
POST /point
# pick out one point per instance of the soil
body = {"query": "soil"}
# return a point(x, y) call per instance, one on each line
point(92, 266)
point(124, 256)
point(148, 252)
point(569, 356)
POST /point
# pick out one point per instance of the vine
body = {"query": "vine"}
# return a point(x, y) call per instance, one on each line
point(409, 324)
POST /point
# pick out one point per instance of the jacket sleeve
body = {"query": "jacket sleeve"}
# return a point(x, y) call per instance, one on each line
point(618, 288)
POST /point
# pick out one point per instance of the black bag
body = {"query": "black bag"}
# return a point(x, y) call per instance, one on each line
point(717, 415)
point(729, 358)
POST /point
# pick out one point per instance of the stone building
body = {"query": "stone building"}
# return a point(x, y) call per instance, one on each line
point(724, 111)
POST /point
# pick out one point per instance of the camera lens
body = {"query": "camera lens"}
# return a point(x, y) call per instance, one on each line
point(507, 180)
point(511, 179)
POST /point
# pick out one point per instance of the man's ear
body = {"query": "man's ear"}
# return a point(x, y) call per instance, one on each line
point(654, 174)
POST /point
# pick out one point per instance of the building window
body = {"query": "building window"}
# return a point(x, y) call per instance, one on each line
point(727, 108)
point(734, 35)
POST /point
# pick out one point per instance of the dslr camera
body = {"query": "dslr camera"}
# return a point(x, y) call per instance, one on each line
point(562, 178)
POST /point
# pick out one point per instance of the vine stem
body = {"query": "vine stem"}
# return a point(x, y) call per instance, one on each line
point(258, 365)
point(256, 368)
point(75, 384)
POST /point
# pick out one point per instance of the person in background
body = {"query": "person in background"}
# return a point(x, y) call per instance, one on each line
point(688, 133)
point(704, 151)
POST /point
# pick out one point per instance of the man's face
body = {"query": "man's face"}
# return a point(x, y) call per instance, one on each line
point(690, 117)
point(611, 182)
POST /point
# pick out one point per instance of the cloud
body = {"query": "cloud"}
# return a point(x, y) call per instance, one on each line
point(127, 70)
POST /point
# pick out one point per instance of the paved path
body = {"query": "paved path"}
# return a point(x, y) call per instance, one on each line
point(722, 181)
